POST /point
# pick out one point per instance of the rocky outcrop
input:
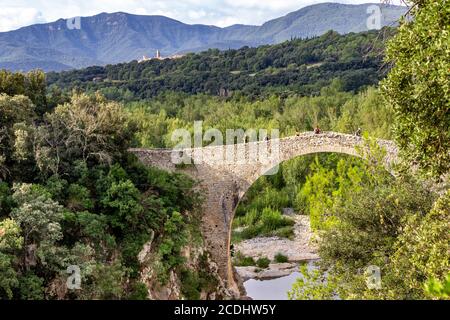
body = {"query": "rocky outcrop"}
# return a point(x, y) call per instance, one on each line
point(197, 258)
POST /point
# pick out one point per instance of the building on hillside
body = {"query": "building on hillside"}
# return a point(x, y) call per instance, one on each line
point(159, 57)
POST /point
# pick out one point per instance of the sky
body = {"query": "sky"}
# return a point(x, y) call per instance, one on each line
point(18, 13)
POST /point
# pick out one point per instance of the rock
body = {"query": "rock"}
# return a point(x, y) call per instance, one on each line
point(288, 212)
point(146, 250)
point(247, 273)
point(272, 274)
point(282, 266)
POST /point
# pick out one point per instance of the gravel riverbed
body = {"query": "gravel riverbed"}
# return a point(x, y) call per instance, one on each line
point(300, 249)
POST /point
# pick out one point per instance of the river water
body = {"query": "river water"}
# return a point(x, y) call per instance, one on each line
point(274, 289)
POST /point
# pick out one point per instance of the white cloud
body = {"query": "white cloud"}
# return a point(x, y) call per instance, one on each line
point(17, 13)
point(16, 17)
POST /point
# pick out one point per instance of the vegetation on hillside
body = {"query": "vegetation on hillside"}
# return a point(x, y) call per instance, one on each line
point(70, 194)
point(298, 66)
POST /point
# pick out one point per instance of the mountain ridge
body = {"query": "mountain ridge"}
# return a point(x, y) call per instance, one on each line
point(109, 38)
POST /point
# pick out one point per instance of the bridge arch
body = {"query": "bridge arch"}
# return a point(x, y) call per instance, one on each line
point(224, 183)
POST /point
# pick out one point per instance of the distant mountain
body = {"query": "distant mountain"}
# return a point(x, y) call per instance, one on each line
point(120, 37)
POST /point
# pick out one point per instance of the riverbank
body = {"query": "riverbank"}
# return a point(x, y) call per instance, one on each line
point(298, 250)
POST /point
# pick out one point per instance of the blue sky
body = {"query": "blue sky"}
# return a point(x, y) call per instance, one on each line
point(18, 13)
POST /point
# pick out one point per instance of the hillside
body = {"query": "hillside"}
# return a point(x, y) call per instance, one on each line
point(298, 66)
point(121, 37)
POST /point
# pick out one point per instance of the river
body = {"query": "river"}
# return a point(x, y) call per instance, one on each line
point(273, 289)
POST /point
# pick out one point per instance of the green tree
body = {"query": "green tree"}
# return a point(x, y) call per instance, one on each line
point(11, 243)
point(122, 203)
point(418, 86)
point(421, 253)
point(39, 217)
point(88, 128)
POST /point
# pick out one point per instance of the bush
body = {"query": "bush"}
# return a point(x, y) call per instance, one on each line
point(281, 258)
point(190, 285)
point(243, 261)
point(285, 232)
point(139, 291)
point(269, 223)
point(263, 263)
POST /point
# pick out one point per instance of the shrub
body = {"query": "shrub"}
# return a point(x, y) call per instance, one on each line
point(285, 232)
point(243, 261)
point(270, 223)
point(263, 263)
point(272, 220)
point(139, 291)
point(190, 285)
point(281, 258)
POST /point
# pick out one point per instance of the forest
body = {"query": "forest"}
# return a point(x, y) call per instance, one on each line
point(297, 66)
point(72, 194)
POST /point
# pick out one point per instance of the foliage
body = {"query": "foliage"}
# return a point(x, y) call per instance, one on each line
point(394, 235)
point(194, 282)
point(31, 287)
point(263, 262)
point(325, 187)
point(174, 239)
point(418, 86)
point(241, 260)
point(281, 258)
point(331, 109)
point(31, 84)
point(73, 195)
point(88, 129)
point(312, 285)
point(440, 290)
point(421, 252)
point(296, 66)
point(109, 281)
point(268, 222)
point(122, 205)
point(11, 242)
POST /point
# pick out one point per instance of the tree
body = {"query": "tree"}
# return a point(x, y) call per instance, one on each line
point(11, 243)
point(31, 84)
point(16, 114)
point(39, 217)
point(88, 128)
point(122, 204)
point(421, 252)
point(418, 86)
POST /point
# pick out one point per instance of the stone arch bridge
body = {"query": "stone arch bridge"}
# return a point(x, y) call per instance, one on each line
point(226, 172)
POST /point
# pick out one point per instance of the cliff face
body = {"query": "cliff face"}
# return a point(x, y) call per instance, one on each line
point(197, 279)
